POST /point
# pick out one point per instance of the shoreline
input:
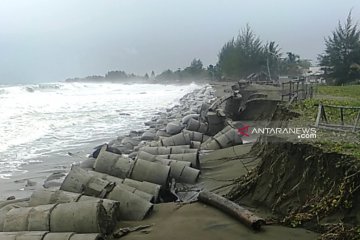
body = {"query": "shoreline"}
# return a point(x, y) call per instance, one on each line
point(216, 170)
point(30, 177)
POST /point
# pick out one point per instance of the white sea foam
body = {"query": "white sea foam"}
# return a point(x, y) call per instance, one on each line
point(37, 121)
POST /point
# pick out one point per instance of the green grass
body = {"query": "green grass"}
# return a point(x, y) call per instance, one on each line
point(309, 108)
point(349, 91)
point(349, 148)
point(348, 143)
point(333, 95)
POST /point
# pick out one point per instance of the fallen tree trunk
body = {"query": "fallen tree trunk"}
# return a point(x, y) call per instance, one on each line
point(243, 215)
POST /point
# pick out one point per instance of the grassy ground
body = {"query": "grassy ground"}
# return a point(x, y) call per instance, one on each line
point(336, 141)
point(350, 91)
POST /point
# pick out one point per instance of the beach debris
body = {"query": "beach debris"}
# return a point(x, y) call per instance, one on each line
point(113, 164)
point(125, 231)
point(162, 159)
point(216, 122)
point(145, 190)
point(148, 135)
point(179, 170)
point(55, 175)
point(173, 128)
point(242, 214)
point(140, 170)
point(167, 150)
point(178, 139)
point(40, 235)
point(204, 108)
point(151, 188)
point(130, 142)
point(30, 183)
point(195, 145)
point(227, 137)
point(52, 184)
point(233, 105)
point(136, 204)
point(162, 133)
point(197, 126)
point(150, 172)
point(92, 216)
point(197, 136)
point(188, 117)
point(14, 201)
point(107, 147)
point(54, 180)
point(87, 163)
point(168, 159)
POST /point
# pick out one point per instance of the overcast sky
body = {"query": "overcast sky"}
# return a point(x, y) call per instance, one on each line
point(46, 41)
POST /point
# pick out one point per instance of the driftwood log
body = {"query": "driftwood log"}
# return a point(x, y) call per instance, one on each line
point(243, 215)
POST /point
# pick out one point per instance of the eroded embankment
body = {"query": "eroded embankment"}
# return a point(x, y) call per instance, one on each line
point(305, 186)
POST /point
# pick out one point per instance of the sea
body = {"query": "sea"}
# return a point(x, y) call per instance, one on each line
point(42, 123)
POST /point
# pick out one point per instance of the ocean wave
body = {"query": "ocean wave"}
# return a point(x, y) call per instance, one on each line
point(41, 120)
point(3, 91)
point(29, 89)
point(43, 87)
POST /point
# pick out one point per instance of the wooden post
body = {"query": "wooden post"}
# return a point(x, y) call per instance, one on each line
point(324, 114)
point(282, 91)
point(318, 117)
point(342, 116)
point(304, 93)
point(356, 121)
point(297, 88)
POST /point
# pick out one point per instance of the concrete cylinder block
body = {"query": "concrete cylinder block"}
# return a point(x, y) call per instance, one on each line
point(81, 217)
point(178, 139)
point(151, 172)
point(151, 188)
point(113, 164)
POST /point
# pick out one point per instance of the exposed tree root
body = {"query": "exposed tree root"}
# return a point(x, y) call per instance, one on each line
point(305, 186)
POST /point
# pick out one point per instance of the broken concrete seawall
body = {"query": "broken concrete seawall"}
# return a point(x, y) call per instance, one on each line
point(175, 209)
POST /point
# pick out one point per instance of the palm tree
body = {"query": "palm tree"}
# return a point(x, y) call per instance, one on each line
point(273, 54)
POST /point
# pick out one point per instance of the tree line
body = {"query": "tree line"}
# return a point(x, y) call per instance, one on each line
point(247, 54)
point(194, 71)
point(112, 76)
point(241, 57)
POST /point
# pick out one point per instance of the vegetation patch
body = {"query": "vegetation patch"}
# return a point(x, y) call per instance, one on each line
point(305, 186)
point(347, 91)
point(331, 140)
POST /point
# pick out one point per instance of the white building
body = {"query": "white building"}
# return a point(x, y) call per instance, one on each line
point(314, 75)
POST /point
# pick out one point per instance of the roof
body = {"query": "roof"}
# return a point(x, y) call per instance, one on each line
point(314, 71)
